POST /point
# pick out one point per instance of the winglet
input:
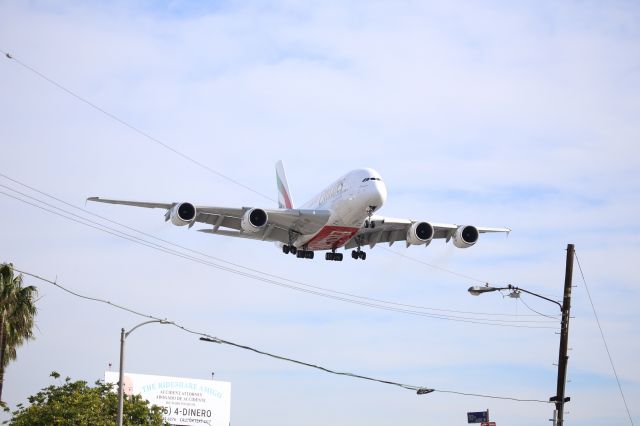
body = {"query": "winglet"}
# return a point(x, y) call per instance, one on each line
point(284, 196)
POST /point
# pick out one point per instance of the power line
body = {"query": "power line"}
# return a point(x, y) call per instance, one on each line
point(205, 167)
point(439, 268)
point(306, 364)
point(539, 313)
point(236, 264)
point(157, 247)
point(595, 314)
point(318, 291)
point(188, 158)
point(210, 338)
point(132, 127)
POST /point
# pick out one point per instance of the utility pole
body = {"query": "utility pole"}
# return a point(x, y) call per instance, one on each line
point(563, 358)
point(123, 338)
point(559, 399)
point(121, 379)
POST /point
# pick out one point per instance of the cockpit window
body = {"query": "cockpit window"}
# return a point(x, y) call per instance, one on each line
point(371, 178)
point(365, 179)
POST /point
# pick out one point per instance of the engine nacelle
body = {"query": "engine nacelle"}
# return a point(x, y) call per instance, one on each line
point(465, 236)
point(182, 214)
point(419, 233)
point(254, 220)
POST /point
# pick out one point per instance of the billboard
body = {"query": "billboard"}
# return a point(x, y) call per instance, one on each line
point(184, 402)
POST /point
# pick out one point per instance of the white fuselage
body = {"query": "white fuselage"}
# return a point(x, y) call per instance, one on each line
point(350, 199)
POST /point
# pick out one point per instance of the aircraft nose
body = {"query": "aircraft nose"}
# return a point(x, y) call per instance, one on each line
point(383, 192)
point(379, 195)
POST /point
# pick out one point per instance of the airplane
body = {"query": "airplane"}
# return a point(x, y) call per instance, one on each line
point(342, 215)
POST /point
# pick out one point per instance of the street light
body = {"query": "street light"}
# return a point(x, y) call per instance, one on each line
point(123, 336)
point(565, 307)
point(478, 290)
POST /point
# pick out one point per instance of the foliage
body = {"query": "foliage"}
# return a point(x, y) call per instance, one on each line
point(76, 403)
point(17, 314)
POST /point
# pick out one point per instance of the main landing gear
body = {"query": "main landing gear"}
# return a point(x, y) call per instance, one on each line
point(289, 249)
point(332, 255)
point(300, 254)
point(358, 254)
point(304, 254)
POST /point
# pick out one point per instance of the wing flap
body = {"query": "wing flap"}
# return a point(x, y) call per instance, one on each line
point(268, 234)
point(483, 230)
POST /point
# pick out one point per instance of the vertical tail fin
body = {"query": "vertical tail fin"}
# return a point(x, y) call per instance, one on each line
point(284, 196)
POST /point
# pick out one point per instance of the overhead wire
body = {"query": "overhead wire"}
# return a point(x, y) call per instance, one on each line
point(142, 133)
point(208, 337)
point(318, 291)
point(539, 313)
point(604, 340)
point(236, 264)
point(181, 154)
point(190, 159)
point(209, 169)
point(439, 268)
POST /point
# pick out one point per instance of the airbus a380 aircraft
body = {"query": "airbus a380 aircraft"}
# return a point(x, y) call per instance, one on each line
point(340, 216)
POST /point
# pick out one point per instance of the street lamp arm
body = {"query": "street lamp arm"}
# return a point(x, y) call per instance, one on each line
point(535, 294)
point(144, 323)
point(123, 337)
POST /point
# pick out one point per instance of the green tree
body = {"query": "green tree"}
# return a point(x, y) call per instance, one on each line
point(76, 403)
point(17, 314)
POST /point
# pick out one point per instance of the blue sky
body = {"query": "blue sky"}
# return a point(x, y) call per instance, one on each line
point(489, 113)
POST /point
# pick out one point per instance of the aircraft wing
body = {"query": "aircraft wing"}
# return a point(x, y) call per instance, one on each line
point(390, 230)
point(227, 221)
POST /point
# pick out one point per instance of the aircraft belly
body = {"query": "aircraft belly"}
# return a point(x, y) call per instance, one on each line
point(348, 215)
point(330, 237)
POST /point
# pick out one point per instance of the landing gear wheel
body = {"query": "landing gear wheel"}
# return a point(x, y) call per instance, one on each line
point(293, 249)
point(285, 249)
point(308, 254)
point(362, 255)
point(354, 254)
point(368, 223)
point(300, 254)
point(333, 256)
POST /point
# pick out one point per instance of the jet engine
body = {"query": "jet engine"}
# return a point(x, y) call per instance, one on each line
point(465, 236)
point(182, 214)
point(254, 220)
point(419, 233)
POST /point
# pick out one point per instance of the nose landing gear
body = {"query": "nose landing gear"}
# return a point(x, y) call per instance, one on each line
point(368, 223)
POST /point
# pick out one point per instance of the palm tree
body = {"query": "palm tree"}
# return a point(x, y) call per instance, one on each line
point(17, 313)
